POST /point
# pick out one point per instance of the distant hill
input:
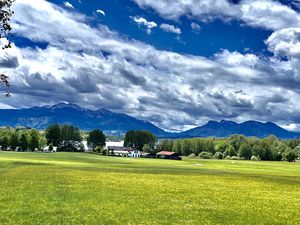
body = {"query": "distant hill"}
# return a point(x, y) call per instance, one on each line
point(42, 117)
point(249, 128)
point(118, 123)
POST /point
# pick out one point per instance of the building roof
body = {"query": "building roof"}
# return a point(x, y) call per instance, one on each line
point(114, 144)
point(166, 153)
point(118, 148)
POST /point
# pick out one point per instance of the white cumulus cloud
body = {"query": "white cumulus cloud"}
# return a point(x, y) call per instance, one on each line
point(68, 5)
point(268, 14)
point(170, 28)
point(101, 12)
point(143, 22)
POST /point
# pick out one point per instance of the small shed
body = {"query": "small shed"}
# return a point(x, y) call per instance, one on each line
point(168, 155)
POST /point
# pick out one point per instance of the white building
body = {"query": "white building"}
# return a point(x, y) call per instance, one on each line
point(123, 151)
point(118, 149)
point(135, 154)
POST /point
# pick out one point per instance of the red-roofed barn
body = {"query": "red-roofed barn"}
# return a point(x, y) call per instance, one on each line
point(168, 155)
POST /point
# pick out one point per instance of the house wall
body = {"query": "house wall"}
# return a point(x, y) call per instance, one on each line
point(135, 154)
point(114, 144)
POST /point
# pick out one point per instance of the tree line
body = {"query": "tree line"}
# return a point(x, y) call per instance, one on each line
point(234, 147)
point(69, 138)
point(66, 138)
point(21, 139)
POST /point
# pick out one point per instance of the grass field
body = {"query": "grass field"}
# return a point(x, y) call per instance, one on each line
point(66, 188)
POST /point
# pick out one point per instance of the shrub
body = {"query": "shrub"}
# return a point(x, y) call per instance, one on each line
point(218, 155)
point(228, 157)
point(234, 158)
point(192, 155)
point(205, 155)
point(104, 151)
point(98, 149)
point(68, 148)
point(255, 158)
point(290, 156)
point(230, 151)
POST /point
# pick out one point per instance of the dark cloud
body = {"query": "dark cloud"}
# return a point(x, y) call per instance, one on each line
point(84, 82)
point(131, 77)
point(9, 61)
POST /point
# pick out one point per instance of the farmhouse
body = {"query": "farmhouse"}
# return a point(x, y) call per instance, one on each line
point(168, 155)
point(123, 151)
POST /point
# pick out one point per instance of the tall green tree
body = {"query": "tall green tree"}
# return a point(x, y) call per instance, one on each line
point(71, 138)
point(129, 139)
point(222, 145)
point(4, 142)
point(290, 155)
point(70, 134)
point(245, 150)
point(257, 149)
point(186, 147)
point(139, 138)
point(167, 145)
point(267, 150)
point(42, 142)
point(23, 142)
point(297, 151)
point(177, 147)
point(33, 140)
point(236, 141)
point(96, 138)
point(14, 140)
point(53, 135)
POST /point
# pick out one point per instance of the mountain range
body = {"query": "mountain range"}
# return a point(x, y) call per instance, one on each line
point(119, 123)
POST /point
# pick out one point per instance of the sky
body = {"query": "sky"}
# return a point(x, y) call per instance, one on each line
point(175, 63)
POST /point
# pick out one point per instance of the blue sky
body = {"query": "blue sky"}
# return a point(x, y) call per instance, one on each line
point(175, 63)
point(208, 39)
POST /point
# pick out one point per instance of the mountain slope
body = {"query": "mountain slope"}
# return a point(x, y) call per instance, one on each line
point(248, 128)
point(42, 117)
point(118, 123)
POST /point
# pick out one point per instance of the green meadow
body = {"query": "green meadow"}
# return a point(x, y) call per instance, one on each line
point(78, 188)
